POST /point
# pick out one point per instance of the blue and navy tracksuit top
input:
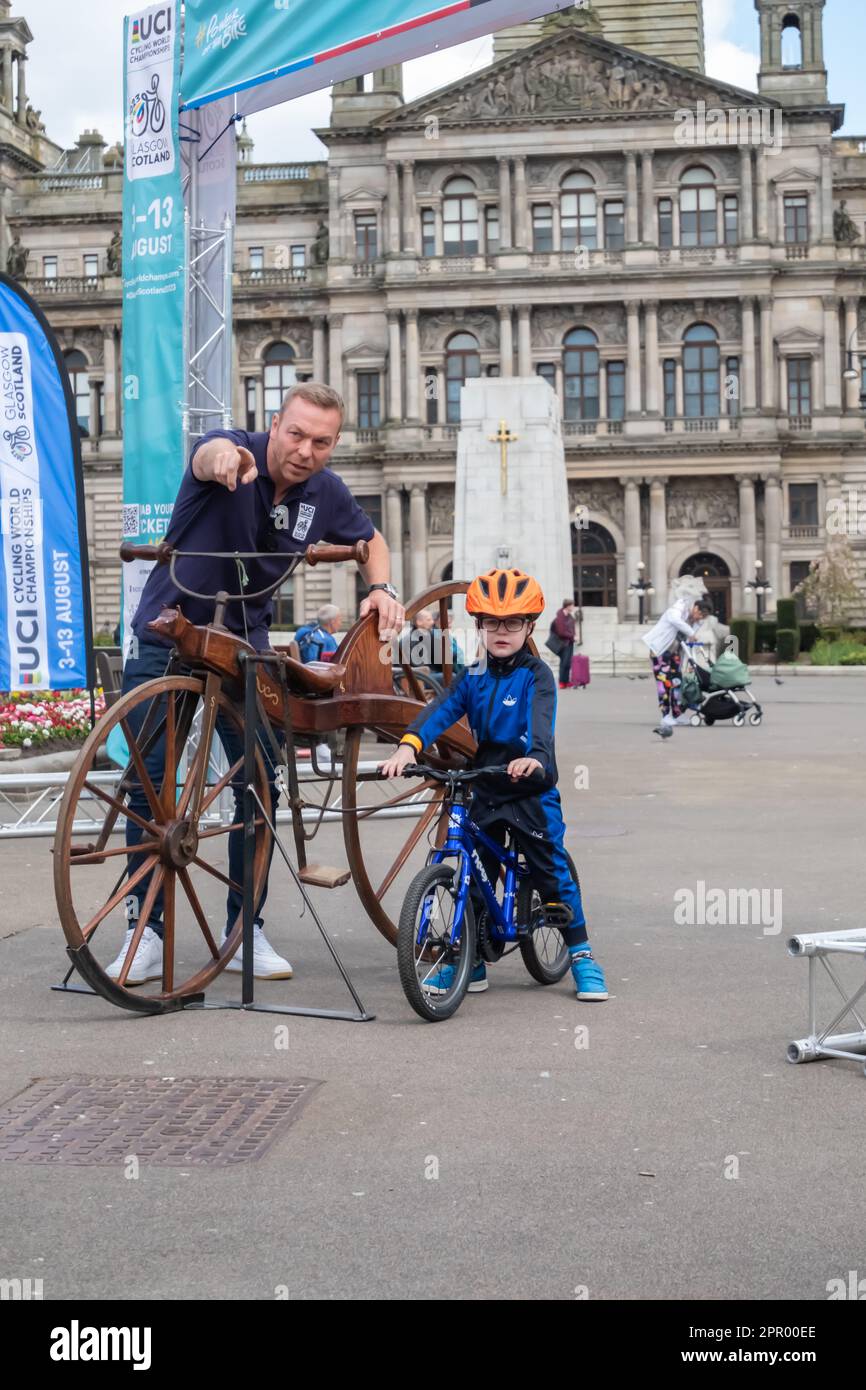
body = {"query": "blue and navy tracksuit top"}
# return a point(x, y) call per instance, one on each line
point(511, 709)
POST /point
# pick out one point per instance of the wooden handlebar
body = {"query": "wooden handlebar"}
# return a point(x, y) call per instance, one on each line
point(158, 554)
point(314, 555)
point(332, 554)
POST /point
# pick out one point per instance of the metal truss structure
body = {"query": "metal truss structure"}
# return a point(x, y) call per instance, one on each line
point(827, 1042)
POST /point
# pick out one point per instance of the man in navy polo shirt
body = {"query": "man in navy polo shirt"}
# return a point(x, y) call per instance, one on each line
point(270, 492)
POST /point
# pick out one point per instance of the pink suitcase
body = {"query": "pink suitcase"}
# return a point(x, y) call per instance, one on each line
point(580, 670)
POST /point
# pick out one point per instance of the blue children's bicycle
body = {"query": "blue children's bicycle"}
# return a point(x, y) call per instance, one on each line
point(439, 940)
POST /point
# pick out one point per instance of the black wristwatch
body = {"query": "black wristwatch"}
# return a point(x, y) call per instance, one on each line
point(388, 588)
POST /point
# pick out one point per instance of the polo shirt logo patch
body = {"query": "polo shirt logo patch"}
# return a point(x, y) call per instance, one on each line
point(280, 518)
point(306, 512)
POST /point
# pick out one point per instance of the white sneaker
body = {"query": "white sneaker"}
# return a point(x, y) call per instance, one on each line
point(147, 961)
point(267, 964)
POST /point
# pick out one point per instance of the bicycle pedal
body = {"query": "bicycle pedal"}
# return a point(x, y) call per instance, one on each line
point(324, 876)
point(558, 915)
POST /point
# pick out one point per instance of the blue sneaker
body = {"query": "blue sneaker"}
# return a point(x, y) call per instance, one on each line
point(588, 977)
point(441, 982)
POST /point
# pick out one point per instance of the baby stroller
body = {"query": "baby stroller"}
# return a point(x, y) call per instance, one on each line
point(718, 691)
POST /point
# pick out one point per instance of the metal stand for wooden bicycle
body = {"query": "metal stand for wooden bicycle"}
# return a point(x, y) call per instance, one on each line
point(824, 1042)
point(253, 808)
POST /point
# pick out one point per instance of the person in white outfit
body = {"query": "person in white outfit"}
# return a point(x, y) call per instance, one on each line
point(711, 634)
point(677, 622)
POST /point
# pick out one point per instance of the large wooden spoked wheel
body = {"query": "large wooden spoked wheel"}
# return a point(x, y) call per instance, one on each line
point(180, 866)
point(386, 848)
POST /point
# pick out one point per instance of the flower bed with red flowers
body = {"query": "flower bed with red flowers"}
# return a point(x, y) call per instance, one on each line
point(47, 720)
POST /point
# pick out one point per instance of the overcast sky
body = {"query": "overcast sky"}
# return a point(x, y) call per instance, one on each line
point(74, 72)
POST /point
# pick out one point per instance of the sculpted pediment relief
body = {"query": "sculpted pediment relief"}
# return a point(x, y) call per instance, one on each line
point(567, 74)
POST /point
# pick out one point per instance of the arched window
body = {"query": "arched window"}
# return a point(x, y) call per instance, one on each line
point(701, 372)
point(462, 362)
point(698, 208)
point(577, 212)
point(713, 570)
point(792, 42)
point(581, 368)
point(460, 218)
point(76, 365)
point(593, 560)
point(280, 374)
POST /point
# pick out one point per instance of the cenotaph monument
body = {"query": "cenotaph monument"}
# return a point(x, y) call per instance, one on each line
point(511, 494)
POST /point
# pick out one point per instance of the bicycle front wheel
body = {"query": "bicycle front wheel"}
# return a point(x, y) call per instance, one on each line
point(435, 949)
point(544, 951)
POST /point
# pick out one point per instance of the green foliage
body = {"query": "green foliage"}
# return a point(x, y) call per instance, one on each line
point(844, 651)
point(765, 635)
point(744, 630)
point(788, 643)
point(786, 613)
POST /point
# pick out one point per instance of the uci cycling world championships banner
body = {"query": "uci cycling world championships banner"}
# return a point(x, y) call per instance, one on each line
point(153, 286)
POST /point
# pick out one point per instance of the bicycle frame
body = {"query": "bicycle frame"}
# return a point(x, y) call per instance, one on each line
point(462, 843)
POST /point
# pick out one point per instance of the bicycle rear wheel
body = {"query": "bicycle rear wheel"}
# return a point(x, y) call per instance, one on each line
point(435, 951)
point(544, 951)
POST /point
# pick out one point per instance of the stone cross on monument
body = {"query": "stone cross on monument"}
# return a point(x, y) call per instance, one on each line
point(503, 439)
point(512, 511)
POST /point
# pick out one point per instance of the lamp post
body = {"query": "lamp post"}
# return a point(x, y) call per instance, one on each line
point(855, 372)
point(580, 517)
point(642, 588)
point(759, 586)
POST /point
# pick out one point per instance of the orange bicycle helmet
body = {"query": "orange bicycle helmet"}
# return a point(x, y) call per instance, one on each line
point(505, 594)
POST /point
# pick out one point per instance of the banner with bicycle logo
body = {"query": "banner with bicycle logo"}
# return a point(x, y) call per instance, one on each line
point(153, 285)
point(44, 588)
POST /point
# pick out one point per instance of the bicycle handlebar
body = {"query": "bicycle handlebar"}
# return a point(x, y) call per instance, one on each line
point(436, 774)
point(163, 553)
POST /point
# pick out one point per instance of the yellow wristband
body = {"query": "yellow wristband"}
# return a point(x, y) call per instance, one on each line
point(413, 741)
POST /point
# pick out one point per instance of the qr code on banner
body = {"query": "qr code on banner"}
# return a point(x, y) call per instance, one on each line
point(130, 520)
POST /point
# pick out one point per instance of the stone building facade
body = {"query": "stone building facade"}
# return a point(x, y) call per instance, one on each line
point(683, 263)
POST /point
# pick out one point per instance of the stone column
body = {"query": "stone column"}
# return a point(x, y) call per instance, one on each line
point(679, 389)
point(335, 374)
point(648, 231)
point(768, 385)
point(394, 534)
point(748, 382)
point(658, 545)
point(653, 365)
point(832, 376)
point(602, 392)
point(524, 343)
point(319, 356)
point(762, 229)
point(772, 538)
point(411, 230)
point(827, 196)
point(632, 541)
point(413, 369)
point(521, 209)
point(631, 233)
point(748, 538)
point(395, 365)
point(335, 238)
point(746, 201)
point(299, 597)
point(7, 78)
point(852, 388)
point(109, 354)
point(632, 390)
point(261, 422)
point(441, 396)
point(418, 537)
point(94, 383)
point(393, 208)
point(505, 240)
point(21, 107)
point(506, 343)
point(438, 231)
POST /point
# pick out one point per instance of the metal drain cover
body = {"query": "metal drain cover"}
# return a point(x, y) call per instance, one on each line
point(207, 1122)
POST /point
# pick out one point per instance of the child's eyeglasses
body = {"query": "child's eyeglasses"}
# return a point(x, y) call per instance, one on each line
point(510, 624)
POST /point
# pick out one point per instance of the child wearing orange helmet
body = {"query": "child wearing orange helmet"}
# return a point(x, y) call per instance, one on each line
point(509, 700)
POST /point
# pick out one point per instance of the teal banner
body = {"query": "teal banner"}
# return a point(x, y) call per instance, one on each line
point(153, 286)
point(273, 50)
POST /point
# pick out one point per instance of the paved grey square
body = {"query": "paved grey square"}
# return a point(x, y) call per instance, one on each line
point(206, 1122)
